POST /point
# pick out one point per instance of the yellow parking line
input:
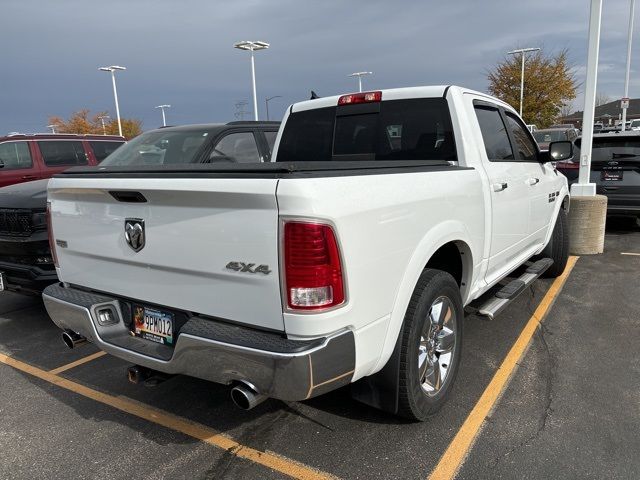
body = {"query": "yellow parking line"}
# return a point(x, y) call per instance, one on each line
point(457, 451)
point(196, 430)
point(77, 363)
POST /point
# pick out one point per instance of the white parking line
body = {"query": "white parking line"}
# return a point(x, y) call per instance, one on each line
point(630, 253)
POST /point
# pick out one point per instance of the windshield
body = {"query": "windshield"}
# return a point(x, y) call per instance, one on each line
point(548, 136)
point(635, 123)
point(413, 129)
point(159, 147)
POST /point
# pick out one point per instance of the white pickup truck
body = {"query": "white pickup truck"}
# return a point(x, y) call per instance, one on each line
point(347, 259)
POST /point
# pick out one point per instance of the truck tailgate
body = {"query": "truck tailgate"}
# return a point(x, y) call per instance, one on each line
point(193, 228)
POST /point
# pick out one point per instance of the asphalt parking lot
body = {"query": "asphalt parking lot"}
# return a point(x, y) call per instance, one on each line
point(570, 410)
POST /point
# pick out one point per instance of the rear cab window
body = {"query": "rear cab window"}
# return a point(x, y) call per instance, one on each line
point(407, 129)
point(15, 156)
point(160, 147)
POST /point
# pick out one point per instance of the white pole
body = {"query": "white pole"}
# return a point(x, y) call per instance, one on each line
point(583, 186)
point(626, 78)
point(115, 95)
point(164, 119)
point(359, 83)
point(522, 84)
point(253, 82)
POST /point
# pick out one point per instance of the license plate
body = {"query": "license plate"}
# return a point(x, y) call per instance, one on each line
point(153, 325)
point(612, 175)
point(1, 282)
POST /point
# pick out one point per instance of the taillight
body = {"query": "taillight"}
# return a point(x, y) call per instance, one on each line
point(312, 266)
point(52, 241)
point(567, 165)
point(364, 97)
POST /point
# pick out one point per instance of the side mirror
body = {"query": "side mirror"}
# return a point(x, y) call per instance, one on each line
point(559, 151)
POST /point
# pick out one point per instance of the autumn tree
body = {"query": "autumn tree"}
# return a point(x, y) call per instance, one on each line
point(549, 84)
point(82, 122)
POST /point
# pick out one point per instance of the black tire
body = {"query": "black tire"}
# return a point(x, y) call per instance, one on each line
point(558, 247)
point(414, 402)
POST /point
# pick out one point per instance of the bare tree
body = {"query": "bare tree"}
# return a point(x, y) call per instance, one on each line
point(602, 98)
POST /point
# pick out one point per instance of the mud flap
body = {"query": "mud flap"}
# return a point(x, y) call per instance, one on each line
point(380, 390)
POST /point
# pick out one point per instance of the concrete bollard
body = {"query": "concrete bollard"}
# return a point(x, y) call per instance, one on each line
point(587, 219)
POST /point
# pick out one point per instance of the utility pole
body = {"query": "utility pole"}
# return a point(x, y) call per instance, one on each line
point(522, 51)
point(625, 99)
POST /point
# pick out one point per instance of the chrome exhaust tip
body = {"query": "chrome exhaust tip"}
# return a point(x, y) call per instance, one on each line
point(245, 397)
point(71, 339)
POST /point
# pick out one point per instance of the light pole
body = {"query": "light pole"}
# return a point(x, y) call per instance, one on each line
point(52, 127)
point(266, 102)
point(522, 51)
point(360, 75)
point(251, 46)
point(113, 69)
point(164, 119)
point(102, 117)
point(626, 78)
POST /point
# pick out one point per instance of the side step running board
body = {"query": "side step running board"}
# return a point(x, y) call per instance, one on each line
point(510, 291)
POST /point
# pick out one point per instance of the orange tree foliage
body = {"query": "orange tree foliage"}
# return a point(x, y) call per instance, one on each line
point(549, 85)
point(83, 122)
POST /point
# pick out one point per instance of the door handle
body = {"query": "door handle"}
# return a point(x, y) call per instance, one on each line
point(29, 177)
point(533, 181)
point(498, 187)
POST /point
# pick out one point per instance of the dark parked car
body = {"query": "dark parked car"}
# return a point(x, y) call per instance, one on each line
point(615, 169)
point(26, 265)
point(24, 158)
point(547, 135)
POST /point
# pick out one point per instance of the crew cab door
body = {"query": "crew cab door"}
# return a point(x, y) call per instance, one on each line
point(509, 190)
point(540, 179)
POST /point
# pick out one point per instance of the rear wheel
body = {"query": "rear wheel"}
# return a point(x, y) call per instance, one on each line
point(431, 343)
point(558, 247)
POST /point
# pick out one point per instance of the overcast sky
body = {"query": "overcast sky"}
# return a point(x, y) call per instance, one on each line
point(180, 52)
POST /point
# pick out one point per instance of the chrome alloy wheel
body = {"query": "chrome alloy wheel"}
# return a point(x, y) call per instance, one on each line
point(437, 345)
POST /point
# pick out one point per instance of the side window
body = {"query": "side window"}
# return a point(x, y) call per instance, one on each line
point(271, 139)
point(102, 149)
point(14, 156)
point(240, 147)
point(58, 153)
point(494, 134)
point(524, 144)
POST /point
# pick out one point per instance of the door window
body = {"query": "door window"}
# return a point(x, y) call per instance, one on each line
point(14, 156)
point(494, 134)
point(102, 149)
point(524, 144)
point(238, 147)
point(58, 153)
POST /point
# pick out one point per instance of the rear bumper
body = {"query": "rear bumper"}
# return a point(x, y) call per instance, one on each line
point(215, 351)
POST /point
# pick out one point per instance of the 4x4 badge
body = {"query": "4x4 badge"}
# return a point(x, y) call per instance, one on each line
point(248, 267)
point(134, 233)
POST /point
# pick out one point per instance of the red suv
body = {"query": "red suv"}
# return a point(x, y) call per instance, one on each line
point(32, 157)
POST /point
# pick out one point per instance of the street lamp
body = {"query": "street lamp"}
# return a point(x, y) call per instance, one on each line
point(101, 118)
point(164, 119)
point(251, 46)
point(625, 101)
point(266, 102)
point(360, 75)
point(113, 69)
point(52, 127)
point(522, 51)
